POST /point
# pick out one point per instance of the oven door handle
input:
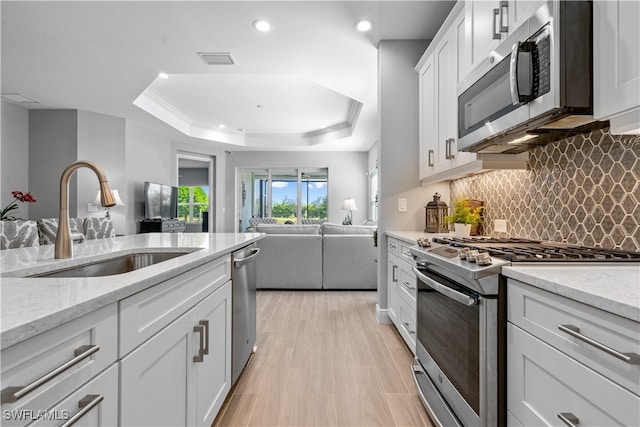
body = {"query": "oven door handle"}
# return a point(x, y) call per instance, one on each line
point(444, 290)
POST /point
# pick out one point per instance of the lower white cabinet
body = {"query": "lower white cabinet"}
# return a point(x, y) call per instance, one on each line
point(556, 376)
point(401, 290)
point(181, 376)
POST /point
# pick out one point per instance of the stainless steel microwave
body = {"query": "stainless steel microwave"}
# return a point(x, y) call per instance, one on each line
point(536, 87)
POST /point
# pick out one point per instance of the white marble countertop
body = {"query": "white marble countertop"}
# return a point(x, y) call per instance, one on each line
point(31, 305)
point(411, 236)
point(613, 288)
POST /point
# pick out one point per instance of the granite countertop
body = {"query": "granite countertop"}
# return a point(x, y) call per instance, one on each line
point(34, 305)
point(612, 288)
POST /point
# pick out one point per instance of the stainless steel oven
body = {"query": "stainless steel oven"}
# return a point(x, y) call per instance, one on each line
point(457, 347)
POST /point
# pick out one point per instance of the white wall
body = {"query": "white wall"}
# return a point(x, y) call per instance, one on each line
point(398, 147)
point(347, 178)
point(14, 155)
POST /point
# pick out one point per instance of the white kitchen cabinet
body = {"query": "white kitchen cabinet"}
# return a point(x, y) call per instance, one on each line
point(444, 65)
point(86, 346)
point(402, 290)
point(554, 367)
point(616, 64)
point(182, 374)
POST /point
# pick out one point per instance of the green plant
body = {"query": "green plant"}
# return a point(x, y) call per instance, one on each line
point(463, 214)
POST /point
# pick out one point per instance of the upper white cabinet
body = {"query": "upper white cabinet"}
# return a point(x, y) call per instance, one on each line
point(444, 65)
point(616, 64)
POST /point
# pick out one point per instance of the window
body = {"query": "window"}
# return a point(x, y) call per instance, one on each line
point(288, 195)
point(192, 202)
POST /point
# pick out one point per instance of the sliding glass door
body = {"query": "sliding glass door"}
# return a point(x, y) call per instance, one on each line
point(288, 195)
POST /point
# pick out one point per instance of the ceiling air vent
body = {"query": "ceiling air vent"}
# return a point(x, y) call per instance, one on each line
point(217, 58)
point(19, 98)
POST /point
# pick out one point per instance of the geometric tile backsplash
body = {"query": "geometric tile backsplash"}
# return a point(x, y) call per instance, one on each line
point(582, 190)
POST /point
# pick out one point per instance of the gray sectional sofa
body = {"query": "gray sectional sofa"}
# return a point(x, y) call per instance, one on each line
point(327, 256)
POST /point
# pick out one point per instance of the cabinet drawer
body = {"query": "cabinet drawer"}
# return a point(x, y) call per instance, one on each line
point(407, 324)
point(407, 285)
point(94, 404)
point(542, 313)
point(147, 312)
point(393, 246)
point(404, 253)
point(543, 382)
point(87, 346)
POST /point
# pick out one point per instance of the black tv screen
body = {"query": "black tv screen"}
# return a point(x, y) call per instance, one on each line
point(160, 201)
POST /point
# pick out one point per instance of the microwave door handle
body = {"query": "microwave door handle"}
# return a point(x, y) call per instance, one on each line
point(448, 292)
point(521, 72)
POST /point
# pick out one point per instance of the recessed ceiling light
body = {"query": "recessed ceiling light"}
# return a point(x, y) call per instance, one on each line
point(221, 126)
point(262, 25)
point(364, 25)
point(163, 75)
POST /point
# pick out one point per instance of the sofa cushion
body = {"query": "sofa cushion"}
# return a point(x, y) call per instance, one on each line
point(288, 229)
point(289, 262)
point(347, 229)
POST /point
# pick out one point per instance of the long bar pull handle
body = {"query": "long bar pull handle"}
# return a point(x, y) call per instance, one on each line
point(394, 273)
point(85, 404)
point(406, 325)
point(444, 290)
point(205, 323)
point(238, 262)
point(13, 393)
point(574, 331)
point(569, 419)
point(449, 149)
point(496, 24)
point(430, 158)
point(200, 356)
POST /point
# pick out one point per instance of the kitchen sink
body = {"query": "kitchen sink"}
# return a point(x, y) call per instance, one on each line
point(112, 266)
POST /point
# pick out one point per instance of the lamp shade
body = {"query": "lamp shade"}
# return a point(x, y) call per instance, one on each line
point(349, 205)
point(116, 198)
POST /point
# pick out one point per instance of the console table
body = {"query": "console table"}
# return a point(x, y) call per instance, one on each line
point(162, 226)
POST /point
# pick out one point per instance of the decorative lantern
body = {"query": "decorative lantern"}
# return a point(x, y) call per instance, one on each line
point(436, 210)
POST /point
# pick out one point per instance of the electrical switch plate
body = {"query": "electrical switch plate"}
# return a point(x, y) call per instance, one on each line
point(500, 225)
point(92, 208)
point(402, 205)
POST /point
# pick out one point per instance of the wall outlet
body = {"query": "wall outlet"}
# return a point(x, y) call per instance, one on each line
point(402, 205)
point(500, 225)
point(92, 208)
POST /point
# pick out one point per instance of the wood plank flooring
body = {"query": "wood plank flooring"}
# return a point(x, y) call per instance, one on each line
point(323, 360)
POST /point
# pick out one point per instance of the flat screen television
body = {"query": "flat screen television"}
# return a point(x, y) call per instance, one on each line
point(160, 201)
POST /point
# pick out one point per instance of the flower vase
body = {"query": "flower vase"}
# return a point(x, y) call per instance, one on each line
point(462, 230)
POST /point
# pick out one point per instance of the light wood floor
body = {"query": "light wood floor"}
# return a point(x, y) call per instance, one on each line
point(323, 360)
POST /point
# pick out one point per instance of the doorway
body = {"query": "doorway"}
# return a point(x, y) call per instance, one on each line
point(196, 196)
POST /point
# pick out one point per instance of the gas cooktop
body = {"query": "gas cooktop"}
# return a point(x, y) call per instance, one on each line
point(521, 250)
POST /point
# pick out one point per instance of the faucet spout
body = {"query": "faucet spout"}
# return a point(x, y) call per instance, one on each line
point(63, 247)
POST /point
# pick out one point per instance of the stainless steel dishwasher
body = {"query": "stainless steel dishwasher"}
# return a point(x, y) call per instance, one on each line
point(243, 326)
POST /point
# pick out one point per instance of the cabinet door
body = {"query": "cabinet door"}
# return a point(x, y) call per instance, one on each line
point(521, 10)
point(213, 375)
point(156, 385)
point(616, 63)
point(446, 101)
point(427, 108)
point(393, 280)
point(479, 41)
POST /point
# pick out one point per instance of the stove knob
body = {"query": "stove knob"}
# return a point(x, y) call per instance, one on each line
point(472, 255)
point(483, 258)
point(462, 253)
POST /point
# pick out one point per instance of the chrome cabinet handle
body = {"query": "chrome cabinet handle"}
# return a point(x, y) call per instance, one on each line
point(569, 419)
point(574, 331)
point(394, 272)
point(496, 24)
point(13, 393)
point(504, 17)
point(200, 356)
point(205, 323)
point(449, 149)
point(409, 286)
point(85, 404)
point(430, 158)
point(406, 325)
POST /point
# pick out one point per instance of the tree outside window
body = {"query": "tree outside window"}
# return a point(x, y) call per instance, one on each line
point(192, 202)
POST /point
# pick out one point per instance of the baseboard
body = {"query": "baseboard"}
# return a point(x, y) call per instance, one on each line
point(382, 315)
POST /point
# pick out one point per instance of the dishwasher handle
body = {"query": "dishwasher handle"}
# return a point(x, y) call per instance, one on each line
point(238, 262)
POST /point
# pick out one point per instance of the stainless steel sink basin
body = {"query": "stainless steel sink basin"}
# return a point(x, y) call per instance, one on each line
point(113, 266)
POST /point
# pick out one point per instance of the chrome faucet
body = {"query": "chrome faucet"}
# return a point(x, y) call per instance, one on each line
point(63, 248)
